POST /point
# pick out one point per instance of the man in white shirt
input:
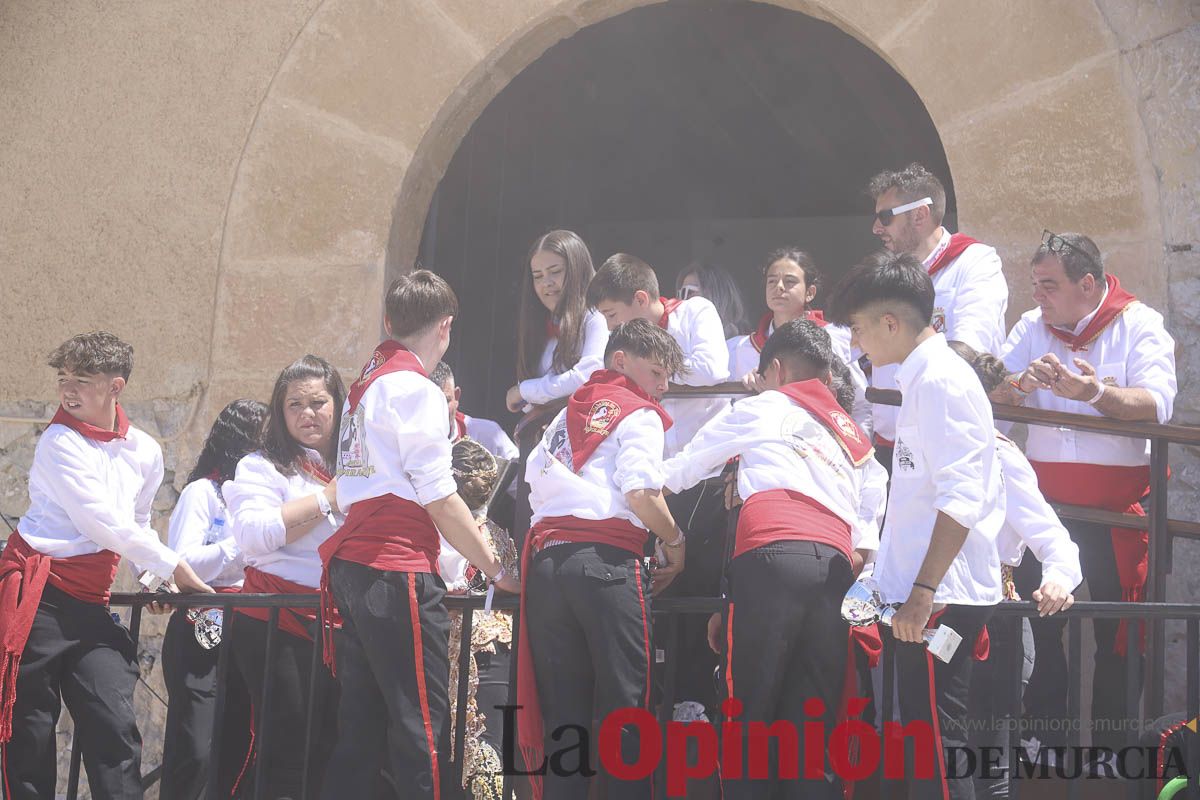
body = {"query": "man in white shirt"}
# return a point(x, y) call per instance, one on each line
point(970, 292)
point(396, 487)
point(595, 483)
point(485, 431)
point(937, 554)
point(626, 288)
point(814, 497)
point(1090, 347)
point(91, 491)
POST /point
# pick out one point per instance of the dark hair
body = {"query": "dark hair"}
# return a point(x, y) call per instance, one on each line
point(277, 444)
point(1080, 257)
point(93, 353)
point(893, 279)
point(475, 471)
point(842, 384)
point(235, 433)
point(800, 340)
point(441, 374)
point(620, 278)
point(644, 339)
point(989, 369)
point(718, 286)
point(533, 316)
point(417, 300)
point(912, 183)
point(812, 275)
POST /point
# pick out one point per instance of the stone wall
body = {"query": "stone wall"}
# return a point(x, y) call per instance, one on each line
point(229, 185)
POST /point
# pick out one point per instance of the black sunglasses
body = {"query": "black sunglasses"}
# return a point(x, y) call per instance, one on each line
point(1057, 244)
point(886, 216)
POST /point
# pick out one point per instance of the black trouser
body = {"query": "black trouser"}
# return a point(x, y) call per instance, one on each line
point(701, 513)
point(789, 645)
point(1046, 698)
point(935, 694)
point(393, 666)
point(994, 705)
point(492, 692)
point(588, 612)
point(78, 654)
point(190, 673)
point(284, 730)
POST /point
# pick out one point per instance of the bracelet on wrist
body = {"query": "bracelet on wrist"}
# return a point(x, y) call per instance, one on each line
point(1016, 384)
point(499, 576)
point(677, 541)
point(1099, 393)
point(930, 589)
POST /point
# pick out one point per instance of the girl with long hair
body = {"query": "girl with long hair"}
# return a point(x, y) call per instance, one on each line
point(560, 341)
point(191, 646)
point(283, 506)
point(701, 279)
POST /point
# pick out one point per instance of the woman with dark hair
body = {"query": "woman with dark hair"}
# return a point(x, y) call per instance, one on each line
point(283, 506)
point(791, 283)
point(560, 341)
point(700, 279)
point(191, 645)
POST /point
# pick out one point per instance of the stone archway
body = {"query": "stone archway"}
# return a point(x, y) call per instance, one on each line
point(365, 112)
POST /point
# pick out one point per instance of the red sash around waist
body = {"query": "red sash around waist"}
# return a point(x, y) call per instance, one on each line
point(786, 515)
point(1113, 488)
point(386, 533)
point(299, 622)
point(24, 573)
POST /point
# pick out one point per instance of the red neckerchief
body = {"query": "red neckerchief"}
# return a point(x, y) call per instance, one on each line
point(1114, 305)
point(760, 336)
point(598, 407)
point(815, 398)
point(389, 356)
point(552, 328)
point(63, 417)
point(958, 243)
point(460, 426)
point(315, 470)
point(669, 305)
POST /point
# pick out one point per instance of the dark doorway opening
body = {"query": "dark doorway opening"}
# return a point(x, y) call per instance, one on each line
point(675, 132)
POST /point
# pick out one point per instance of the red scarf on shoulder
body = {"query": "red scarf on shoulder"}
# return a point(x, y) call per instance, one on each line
point(1115, 303)
point(599, 406)
point(761, 334)
point(815, 398)
point(958, 243)
point(669, 305)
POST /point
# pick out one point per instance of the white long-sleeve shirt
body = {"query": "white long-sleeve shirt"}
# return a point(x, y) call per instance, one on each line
point(1134, 351)
point(1029, 521)
point(630, 458)
point(697, 327)
point(397, 441)
point(87, 495)
point(970, 298)
point(744, 357)
point(493, 438)
point(201, 534)
point(782, 446)
point(944, 461)
point(552, 385)
point(255, 498)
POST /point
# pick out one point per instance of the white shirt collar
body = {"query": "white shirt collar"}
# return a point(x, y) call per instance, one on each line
point(925, 352)
point(942, 244)
point(1083, 323)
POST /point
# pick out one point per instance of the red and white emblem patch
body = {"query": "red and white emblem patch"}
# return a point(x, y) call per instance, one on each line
point(602, 416)
point(846, 425)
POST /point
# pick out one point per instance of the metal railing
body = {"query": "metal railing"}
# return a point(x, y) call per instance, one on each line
point(667, 611)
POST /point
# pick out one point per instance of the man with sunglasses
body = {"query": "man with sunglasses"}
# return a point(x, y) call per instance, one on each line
point(970, 293)
point(1090, 347)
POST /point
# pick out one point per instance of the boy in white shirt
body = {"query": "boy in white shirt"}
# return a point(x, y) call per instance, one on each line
point(595, 488)
point(937, 554)
point(91, 491)
point(814, 497)
point(485, 431)
point(626, 288)
point(397, 490)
